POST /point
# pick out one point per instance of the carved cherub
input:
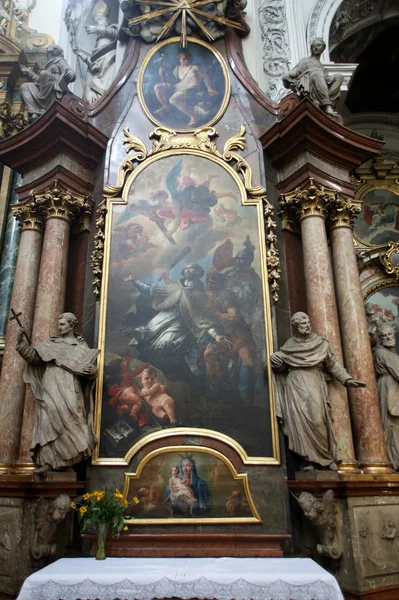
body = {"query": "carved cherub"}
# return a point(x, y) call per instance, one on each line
point(48, 515)
point(326, 518)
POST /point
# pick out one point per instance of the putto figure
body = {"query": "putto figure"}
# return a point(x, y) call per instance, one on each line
point(50, 85)
point(61, 374)
point(309, 79)
point(386, 364)
point(302, 396)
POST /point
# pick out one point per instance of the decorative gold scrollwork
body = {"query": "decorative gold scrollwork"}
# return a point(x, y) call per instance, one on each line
point(387, 258)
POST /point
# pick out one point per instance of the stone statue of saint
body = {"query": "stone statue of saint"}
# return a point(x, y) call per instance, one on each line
point(101, 63)
point(51, 84)
point(302, 395)
point(61, 373)
point(386, 364)
point(309, 79)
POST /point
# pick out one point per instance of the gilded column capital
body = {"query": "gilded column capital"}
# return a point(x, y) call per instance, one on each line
point(29, 216)
point(60, 203)
point(309, 200)
point(342, 212)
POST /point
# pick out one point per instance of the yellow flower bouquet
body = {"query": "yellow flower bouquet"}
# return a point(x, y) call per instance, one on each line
point(103, 509)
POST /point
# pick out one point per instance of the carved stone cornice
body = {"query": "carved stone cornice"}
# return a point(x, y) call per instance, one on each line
point(342, 212)
point(60, 203)
point(310, 200)
point(29, 216)
point(307, 130)
point(60, 131)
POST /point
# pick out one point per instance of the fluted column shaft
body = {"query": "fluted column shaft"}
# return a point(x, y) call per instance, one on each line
point(12, 386)
point(366, 419)
point(309, 205)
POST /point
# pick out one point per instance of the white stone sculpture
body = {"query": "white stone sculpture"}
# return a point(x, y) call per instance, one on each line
point(102, 62)
point(309, 79)
point(62, 375)
point(302, 396)
point(386, 364)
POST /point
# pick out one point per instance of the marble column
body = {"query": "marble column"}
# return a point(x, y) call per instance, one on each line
point(309, 204)
point(9, 256)
point(366, 419)
point(59, 207)
point(12, 386)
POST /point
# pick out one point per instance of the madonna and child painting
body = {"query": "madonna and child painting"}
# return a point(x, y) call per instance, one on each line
point(185, 326)
point(195, 485)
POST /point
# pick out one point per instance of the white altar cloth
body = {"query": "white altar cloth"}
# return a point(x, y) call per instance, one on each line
point(202, 578)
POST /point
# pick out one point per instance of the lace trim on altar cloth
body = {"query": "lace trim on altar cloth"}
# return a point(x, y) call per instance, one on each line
point(165, 588)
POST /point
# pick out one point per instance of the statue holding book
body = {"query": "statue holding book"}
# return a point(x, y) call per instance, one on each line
point(61, 373)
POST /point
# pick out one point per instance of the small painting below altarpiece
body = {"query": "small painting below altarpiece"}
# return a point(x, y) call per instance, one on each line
point(184, 89)
point(386, 307)
point(174, 485)
point(185, 329)
point(378, 221)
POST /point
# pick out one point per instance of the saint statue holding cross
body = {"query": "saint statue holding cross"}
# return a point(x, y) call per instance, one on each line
point(61, 373)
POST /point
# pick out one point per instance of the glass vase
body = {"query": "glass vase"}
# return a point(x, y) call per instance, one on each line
point(102, 532)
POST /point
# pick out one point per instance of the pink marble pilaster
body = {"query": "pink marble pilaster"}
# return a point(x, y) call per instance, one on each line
point(322, 309)
point(49, 305)
point(366, 419)
point(12, 386)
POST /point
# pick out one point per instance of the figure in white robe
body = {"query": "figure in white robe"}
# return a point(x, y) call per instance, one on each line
point(302, 396)
point(386, 364)
point(62, 376)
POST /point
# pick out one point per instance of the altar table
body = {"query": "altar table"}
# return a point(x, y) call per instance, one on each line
point(185, 578)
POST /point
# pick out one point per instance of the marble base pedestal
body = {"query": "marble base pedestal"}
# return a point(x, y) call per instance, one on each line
point(19, 495)
point(369, 507)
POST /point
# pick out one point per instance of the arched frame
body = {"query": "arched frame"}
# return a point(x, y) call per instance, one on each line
point(240, 478)
point(199, 145)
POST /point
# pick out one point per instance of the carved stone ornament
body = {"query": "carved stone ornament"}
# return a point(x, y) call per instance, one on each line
point(276, 51)
point(343, 212)
point(29, 216)
point(201, 139)
point(325, 516)
point(390, 259)
point(312, 199)
point(49, 513)
point(10, 122)
point(101, 63)
point(59, 202)
point(152, 20)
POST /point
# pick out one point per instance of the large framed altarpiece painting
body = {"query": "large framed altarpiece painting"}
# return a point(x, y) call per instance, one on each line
point(185, 323)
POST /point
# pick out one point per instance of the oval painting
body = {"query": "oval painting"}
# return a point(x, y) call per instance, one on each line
point(378, 222)
point(184, 89)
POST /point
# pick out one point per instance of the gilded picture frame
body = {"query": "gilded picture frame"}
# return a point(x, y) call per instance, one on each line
point(374, 214)
point(181, 107)
point(199, 148)
point(217, 486)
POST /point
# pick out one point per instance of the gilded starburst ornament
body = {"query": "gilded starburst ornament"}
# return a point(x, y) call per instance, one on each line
point(185, 10)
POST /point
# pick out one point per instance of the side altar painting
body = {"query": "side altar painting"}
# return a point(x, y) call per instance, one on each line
point(378, 222)
point(172, 485)
point(184, 329)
